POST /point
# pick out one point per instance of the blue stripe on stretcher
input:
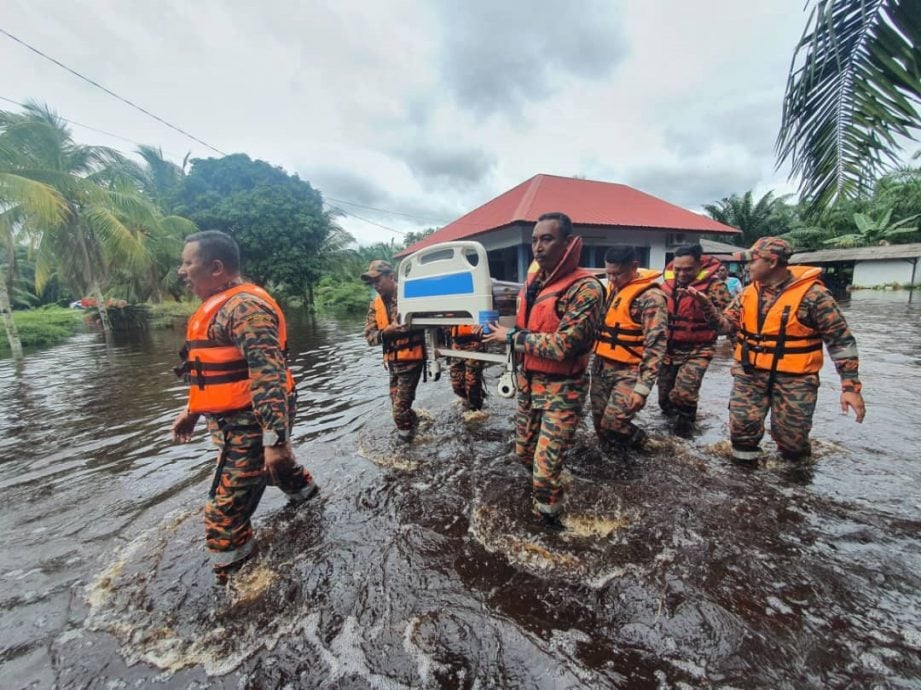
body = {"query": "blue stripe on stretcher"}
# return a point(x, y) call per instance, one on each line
point(446, 285)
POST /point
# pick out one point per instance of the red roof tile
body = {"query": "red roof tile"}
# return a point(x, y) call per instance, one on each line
point(587, 202)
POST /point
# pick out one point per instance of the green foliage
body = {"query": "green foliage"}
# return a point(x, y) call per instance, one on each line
point(410, 238)
point(171, 314)
point(277, 219)
point(878, 230)
point(342, 296)
point(852, 95)
point(46, 326)
point(769, 216)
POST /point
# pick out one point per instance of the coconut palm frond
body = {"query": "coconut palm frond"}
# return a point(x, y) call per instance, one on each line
point(852, 95)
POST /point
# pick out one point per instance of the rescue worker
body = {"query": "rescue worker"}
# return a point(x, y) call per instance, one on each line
point(234, 359)
point(782, 319)
point(691, 338)
point(629, 350)
point(403, 349)
point(560, 308)
point(467, 374)
point(733, 284)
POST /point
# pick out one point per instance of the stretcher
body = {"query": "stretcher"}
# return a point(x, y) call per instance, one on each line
point(449, 284)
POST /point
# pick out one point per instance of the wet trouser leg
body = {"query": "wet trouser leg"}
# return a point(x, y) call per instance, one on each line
point(611, 388)
point(542, 438)
point(749, 403)
point(791, 400)
point(792, 406)
point(467, 381)
point(665, 382)
point(239, 482)
point(458, 378)
point(402, 393)
point(690, 366)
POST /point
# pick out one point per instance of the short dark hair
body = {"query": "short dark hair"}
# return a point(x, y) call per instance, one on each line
point(561, 218)
point(692, 250)
point(620, 254)
point(216, 245)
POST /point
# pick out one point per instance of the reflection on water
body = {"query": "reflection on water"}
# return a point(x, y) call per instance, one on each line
point(421, 567)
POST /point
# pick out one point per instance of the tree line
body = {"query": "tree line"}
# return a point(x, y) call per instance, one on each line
point(80, 221)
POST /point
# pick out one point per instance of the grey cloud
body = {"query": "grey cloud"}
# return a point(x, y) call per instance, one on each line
point(498, 55)
point(752, 126)
point(345, 184)
point(457, 166)
point(691, 184)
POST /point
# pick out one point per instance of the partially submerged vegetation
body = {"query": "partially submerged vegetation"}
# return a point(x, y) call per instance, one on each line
point(45, 326)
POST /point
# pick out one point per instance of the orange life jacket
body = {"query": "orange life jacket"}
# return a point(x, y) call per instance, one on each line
point(779, 341)
point(687, 322)
point(464, 334)
point(542, 316)
point(218, 374)
point(404, 348)
point(621, 339)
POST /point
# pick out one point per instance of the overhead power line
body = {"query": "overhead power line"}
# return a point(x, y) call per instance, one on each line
point(383, 210)
point(78, 124)
point(109, 91)
point(371, 222)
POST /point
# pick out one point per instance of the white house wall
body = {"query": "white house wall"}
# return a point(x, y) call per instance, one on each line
point(883, 272)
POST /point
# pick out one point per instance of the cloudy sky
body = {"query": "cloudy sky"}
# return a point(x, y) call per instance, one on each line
point(407, 113)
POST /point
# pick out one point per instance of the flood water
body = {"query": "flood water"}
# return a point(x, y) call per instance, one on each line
point(422, 567)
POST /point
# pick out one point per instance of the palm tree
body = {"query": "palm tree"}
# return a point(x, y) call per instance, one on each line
point(767, 216)
point(852, 95)
point(22, 201)
point(108, 227)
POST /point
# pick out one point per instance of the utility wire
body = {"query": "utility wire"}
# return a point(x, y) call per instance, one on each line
point(383, 210)
point(109, 91)
point(79, 124)
point(349, 213)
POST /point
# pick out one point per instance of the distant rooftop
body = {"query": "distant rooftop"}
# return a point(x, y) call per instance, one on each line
point(889, 251)
point(587, 202)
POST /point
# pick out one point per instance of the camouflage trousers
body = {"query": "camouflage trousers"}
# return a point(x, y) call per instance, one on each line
point(240, 479)
point(404, 378)
point(791, 401)
point(542, 438)
point(467, 381)
point(680, 377)
point(612, 386)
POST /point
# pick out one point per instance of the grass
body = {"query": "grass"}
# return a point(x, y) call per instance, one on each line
point(171, 314)
point(44, 326)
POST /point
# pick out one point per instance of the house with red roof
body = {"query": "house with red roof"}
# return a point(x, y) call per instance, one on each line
point(603, 213)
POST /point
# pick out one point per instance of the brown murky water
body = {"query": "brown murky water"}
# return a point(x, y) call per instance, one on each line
point(421, 567)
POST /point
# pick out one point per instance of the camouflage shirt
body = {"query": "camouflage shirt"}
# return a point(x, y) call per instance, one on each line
point(582, 309)
point(252, 326)
point(651, 310)
point(818, 311)
point(373, 333)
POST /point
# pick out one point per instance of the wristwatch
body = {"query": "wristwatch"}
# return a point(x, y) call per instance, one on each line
point(271, 438)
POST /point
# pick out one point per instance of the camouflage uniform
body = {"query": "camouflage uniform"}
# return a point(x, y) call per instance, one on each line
point(613, 382)
point(467, 374)
point(404, 376)
point(240, 476)
point(549, 407)
point(791, 398)
point(685, 364)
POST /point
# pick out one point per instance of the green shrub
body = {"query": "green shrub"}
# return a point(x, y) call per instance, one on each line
point(342, 296)
point(47, 325)
point(171, 314)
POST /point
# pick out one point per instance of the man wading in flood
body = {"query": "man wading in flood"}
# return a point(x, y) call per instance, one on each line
point(783, 318)
point(691, 338)
point(559, 311)
point(234, 359)
point(402, 347)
